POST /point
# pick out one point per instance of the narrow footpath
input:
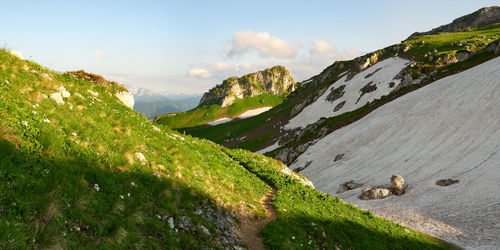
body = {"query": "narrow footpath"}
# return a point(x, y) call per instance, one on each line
point(250, 227)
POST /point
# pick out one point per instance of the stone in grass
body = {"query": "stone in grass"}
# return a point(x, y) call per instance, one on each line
point(171, 223)
point(446, 182)
point(204, 230)
point(57, 97)
point(141, 158)
point(184, 222)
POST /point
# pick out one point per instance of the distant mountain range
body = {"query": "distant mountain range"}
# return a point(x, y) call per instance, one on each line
point(151, 103)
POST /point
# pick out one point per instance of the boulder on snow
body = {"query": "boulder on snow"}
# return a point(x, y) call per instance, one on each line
point(348, 185)
point(398, 184)
point(377, 193)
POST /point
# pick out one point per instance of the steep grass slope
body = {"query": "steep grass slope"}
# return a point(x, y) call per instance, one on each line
point(80, 170)
point(446, 130)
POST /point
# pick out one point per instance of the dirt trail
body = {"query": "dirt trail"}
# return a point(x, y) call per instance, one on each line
point(250, 227)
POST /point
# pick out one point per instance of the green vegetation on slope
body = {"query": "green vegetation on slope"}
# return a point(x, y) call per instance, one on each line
point(71, 177)
point(204, 114)
point(68, 179)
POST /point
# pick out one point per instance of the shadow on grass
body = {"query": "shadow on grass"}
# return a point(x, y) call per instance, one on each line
point(67, 203)
point(308, 232)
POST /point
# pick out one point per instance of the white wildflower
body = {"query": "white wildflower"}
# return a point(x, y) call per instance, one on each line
point(128, 194)
point(122, 197)
point(24, 123)
point(46, 120)
point(96, 187)
point(34, 112)
point(34, 106)
point(74, 134)
point(133, 184)
point(293, 237)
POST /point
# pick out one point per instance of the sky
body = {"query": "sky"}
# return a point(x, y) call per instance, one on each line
point(187, 47)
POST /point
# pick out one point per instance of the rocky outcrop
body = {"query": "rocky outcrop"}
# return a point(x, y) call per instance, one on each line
point(480, 18)
point(275, 81)
point(126, 98)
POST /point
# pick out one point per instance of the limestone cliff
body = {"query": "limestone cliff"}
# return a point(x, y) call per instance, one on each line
point(276, 81)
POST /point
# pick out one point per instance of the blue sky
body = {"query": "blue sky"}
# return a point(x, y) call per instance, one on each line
point(189, 46)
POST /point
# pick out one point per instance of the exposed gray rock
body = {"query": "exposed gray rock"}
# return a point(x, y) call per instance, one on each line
point(204, 230)
point(349, 185)
point(338, 157)
point(185, 222)
point(336, 93)
point(446, 182)
point(397, 184)
point(463, 55)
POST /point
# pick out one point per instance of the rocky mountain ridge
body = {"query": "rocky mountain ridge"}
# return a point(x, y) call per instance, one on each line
point(275, 81)
point(480, 18)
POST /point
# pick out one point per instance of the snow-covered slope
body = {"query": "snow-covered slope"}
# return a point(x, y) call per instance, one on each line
point(380, 75)
point(448, 129)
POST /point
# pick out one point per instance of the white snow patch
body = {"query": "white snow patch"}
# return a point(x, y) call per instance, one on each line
point(268, 149)
point(219, 121)
point(449, 129)
point(383, 73)
point(253, 112)
point(246, 114)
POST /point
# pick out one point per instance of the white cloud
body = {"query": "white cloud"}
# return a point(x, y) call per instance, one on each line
point(98, 53)
point(322, 46)
point(222, 66)
point(262, 42)
point(199, 73)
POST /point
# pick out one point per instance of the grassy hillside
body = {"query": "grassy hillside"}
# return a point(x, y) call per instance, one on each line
point(204, 114)
point(433, 57)
point(92, 173)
